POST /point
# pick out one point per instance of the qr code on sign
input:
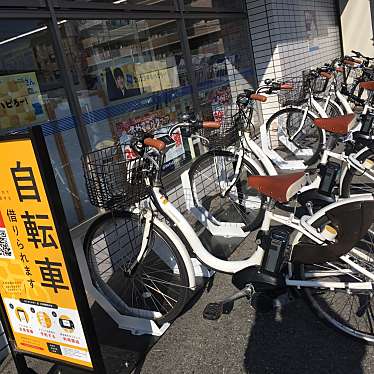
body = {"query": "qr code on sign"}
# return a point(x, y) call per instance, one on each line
point(5, 248)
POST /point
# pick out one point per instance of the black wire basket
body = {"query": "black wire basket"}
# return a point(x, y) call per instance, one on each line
point(228, 133)
point(113, 180)
point(319, 85)
point(295, 96)
point(339, 81)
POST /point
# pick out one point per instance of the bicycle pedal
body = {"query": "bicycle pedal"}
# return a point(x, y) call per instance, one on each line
point(213, 311)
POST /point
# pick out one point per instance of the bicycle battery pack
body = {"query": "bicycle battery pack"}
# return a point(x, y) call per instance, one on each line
point(367, 123)
point(329, 173)
point(275, 244)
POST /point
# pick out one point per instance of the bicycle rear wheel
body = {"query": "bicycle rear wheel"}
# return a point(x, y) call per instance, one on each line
point(210, 176)
point(157, 288)
point(294, 136)
point(355, 182)
point(349, 310)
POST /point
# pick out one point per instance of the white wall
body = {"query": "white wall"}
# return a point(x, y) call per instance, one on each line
point(357, 28)
point(289, 36)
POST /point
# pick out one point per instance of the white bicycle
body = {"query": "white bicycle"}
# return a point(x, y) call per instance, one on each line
point(143, 264)
point(215, 185)
point(290, 132)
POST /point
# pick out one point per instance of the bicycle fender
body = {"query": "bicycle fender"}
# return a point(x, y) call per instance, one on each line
point(181, 249)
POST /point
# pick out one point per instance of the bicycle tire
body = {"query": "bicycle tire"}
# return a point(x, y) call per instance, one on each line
point(206, 190)
point(273, 123)
point(115, 284)
point(332, 109)
point(339, 309)
point(348, 186)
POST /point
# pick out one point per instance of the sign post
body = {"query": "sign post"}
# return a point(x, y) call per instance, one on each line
point(43, 304)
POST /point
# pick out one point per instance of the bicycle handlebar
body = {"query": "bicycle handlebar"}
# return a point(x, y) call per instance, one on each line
point(360, 55)
point(157, 144)
point(272, 86)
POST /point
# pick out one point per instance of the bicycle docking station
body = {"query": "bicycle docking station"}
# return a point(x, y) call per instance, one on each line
point(215, 227)
point(135, 325)
point(276, 158)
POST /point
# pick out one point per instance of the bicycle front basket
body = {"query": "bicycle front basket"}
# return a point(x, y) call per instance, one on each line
point(295, 96)
point(113, 180)
point(319, 85)
point(228, 133)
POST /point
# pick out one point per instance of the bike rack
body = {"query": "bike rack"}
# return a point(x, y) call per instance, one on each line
point(215, 227)
point(277, 159)
point(136, 325)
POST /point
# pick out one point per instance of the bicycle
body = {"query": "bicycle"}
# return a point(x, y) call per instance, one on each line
point(355, 69)
point(310, 255)
point(216, 180)
point(290, 132)
point(153, 265)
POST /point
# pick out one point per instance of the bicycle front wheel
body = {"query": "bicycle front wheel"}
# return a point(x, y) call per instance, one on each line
point(332, 109)
point(212, 176)
point(156, 287)
point(293, 135)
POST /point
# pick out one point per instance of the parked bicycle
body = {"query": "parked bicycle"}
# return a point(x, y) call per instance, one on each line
point(217, 179)
point(355, 69)
point(143, 265)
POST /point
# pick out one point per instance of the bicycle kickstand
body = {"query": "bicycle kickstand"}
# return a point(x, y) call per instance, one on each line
point(213, 311)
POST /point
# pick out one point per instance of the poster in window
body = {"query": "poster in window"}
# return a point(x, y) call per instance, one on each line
point(21, 103)
point(121, 82)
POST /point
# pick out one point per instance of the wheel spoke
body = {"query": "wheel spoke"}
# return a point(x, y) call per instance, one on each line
point(157, 287)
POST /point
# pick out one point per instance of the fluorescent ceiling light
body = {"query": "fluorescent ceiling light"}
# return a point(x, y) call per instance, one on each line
point(119, 1)
point(23, 35)
point(29, 33)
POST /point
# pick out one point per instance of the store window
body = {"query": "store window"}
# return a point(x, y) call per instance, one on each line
point(221, 62)
point(233, 5)
point(154, 3)
point(129, 74)
point(32, 93)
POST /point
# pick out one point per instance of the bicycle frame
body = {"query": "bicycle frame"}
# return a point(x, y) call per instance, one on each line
point(303, 226)
point(255, 156)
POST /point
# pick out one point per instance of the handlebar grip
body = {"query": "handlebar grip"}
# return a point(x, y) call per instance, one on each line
point(286, 86)
point(155, 143)
point(258, 97)
point(356, 60)
point(348, 62)
point(211, 125)
point(325, 74)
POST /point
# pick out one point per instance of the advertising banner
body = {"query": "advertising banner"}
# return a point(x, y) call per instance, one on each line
point(35, 285)
point(128, 80)
point(21, 103)
point(121, 82)
point(156, 122)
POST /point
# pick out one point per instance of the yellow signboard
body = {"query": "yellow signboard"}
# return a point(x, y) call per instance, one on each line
point(34, 281)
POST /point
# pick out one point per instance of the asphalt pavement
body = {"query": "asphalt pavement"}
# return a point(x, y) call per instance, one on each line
point(289, 341)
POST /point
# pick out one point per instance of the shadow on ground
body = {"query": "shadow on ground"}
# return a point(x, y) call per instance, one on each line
point(294, 340)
